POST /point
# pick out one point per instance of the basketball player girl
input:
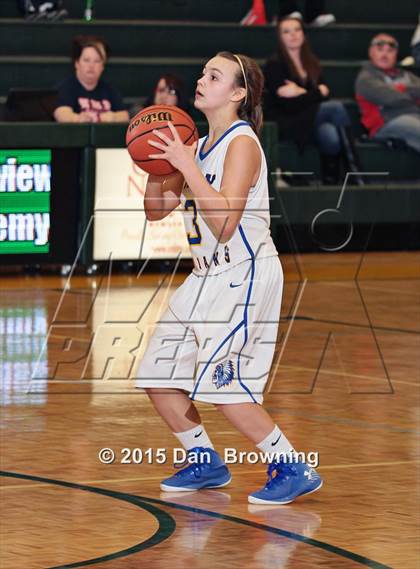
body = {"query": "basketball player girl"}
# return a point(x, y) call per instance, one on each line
point(215, 343)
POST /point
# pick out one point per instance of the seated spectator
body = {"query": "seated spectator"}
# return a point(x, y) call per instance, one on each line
point(85, 97)
point(35, 10)
point(389, 97)
point(297, 99)
point(169, 90)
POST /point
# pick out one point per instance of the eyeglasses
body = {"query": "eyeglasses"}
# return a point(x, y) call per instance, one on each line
point(390, 43)
point(166, 90)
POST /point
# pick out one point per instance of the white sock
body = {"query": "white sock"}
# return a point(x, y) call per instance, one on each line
point(275, 442)
point(195, 437)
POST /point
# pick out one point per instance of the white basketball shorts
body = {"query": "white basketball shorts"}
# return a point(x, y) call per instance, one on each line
point(217, 338)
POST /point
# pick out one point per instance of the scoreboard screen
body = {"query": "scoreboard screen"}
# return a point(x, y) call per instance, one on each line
point(25, 189)
point(39, 205)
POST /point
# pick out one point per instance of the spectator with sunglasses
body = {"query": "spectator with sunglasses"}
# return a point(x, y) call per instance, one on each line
point(388, 96)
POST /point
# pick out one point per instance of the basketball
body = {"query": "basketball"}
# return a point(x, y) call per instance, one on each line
point(141, 128)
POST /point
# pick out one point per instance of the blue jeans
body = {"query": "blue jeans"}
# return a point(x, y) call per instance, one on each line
point(406, 127)
point(330, 115)
point(415, 52)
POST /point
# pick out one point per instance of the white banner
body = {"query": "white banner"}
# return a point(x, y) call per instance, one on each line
point(121, 230)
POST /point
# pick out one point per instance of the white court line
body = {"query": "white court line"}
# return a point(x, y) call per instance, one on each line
point(358, 376)
point(367, 287)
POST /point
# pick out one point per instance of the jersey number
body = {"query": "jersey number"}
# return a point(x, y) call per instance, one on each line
point(193, 239)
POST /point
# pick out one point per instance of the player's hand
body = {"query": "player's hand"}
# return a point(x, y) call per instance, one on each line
point(180, 155)
point(156, 179)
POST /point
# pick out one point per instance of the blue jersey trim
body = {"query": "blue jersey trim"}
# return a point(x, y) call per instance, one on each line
point(243, 322)
point(205, 154)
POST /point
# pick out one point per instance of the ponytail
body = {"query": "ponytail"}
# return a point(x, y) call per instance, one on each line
point(253, 116)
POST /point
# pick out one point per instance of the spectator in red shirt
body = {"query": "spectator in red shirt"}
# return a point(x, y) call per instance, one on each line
point(388, 96)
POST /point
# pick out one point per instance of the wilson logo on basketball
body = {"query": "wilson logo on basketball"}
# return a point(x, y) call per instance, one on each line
point(152, 117)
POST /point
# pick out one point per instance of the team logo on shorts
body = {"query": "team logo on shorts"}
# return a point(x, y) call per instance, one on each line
point(223, 374)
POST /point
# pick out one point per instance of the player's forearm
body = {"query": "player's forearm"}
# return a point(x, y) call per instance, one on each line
point(161, 197)
point(213, 206)
point(154, 201)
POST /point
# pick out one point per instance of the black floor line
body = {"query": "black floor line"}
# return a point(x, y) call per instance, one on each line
point(167, 524)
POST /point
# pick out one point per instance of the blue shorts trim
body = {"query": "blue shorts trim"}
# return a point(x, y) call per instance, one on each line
point(243, 323)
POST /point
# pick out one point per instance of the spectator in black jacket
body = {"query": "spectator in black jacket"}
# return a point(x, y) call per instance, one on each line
point(297, 98)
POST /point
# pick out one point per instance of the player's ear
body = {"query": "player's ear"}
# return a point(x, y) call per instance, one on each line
point(238, 94)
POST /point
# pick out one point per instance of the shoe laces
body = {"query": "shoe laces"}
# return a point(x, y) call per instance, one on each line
point(282, 471)
point(195, 466)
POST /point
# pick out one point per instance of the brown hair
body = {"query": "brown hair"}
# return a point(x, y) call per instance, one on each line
point(310, 62)
point(250, 107)
point(82, 42)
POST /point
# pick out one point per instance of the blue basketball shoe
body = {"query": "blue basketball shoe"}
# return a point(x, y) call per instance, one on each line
point(205, 470)
point(286, 481)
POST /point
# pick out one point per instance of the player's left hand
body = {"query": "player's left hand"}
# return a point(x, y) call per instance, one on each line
point(180, 155)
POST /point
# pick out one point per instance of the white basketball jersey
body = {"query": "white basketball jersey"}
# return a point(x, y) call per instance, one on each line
point(252, 238)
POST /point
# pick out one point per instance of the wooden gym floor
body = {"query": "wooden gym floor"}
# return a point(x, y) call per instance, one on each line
point(344, 384)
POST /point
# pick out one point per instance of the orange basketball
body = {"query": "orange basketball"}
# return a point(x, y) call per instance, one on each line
point(141, 128)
